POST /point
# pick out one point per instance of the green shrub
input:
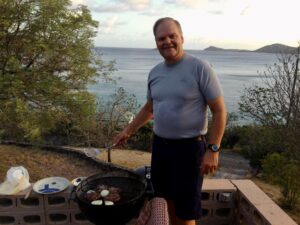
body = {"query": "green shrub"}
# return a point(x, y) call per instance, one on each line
point(258, 141)
point(231, 137)
point(142, 140)
point(284, 172)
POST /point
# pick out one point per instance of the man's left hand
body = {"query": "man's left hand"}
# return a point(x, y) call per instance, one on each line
point(210, 162)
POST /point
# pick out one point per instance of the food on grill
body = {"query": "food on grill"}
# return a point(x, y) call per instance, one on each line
point(109, 203)
point(114, 197)
point(92, 195)
point(102, 192)
point(97, 202)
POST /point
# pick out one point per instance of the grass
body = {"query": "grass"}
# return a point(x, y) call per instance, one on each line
point(44, 163)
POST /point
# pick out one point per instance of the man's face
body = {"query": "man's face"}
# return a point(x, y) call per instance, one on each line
point(169, 41)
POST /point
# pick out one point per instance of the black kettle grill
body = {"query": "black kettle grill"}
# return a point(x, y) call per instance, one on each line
point(135, 189)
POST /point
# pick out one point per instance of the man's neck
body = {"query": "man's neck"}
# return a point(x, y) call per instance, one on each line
point(175, 60)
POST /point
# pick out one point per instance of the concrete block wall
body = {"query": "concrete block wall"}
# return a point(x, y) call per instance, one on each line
point(33, 203)
point(218, 202)
point(224, 202)
point(40, 209)
point(256, 208)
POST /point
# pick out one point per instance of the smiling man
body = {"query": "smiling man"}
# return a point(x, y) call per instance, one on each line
point(169, 40)
point(180, 91)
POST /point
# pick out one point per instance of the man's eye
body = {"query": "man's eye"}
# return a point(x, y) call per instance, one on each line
point(172, 36)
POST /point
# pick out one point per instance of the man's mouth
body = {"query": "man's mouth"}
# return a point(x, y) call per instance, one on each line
point(168, 47)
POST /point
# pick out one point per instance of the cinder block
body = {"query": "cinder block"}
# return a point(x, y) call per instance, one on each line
point(35, 202)
point(7, 203)
point(244, 205)
point(72, 198)
point(32, 218)
point(23, 218)
point(8, 218)
point(215, 222)
point(61, 200)
point(225, 198)
point(58, 200)
point(73, 204)
point(207, 197)
point(60, 216)
point(206, 213)
point(218, 191)
point(223, 213)
point(78, 218)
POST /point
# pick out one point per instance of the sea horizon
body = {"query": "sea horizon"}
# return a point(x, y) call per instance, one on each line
point(236, 70)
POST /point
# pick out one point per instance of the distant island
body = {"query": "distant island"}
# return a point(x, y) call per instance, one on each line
point(274, 48)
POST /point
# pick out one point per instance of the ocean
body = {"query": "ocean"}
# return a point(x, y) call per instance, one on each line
point(236, 71)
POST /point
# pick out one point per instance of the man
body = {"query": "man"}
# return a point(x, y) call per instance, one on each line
point(179, 91)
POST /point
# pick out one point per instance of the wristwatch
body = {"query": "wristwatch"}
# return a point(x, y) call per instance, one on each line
point(213, 147)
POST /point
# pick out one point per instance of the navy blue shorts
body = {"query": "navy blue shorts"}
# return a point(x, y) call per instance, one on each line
point(175, 174)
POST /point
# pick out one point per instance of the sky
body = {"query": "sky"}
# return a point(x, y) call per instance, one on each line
point(238, 24)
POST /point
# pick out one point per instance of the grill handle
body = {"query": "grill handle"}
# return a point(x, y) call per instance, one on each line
point(72, 196)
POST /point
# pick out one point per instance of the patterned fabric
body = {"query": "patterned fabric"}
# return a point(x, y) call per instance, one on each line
point(155, 212)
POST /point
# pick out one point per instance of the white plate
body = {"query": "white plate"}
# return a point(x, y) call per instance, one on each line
point(77, 181)
point(51, 185)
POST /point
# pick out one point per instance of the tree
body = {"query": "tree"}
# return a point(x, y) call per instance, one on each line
point(277, 101)
point(275, 106)
point(46, 62)
point(115, 114)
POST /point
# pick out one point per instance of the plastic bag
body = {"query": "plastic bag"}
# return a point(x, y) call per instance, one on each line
point(17, 179)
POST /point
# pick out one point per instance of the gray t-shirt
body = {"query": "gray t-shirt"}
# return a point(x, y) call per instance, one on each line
point(179, 93)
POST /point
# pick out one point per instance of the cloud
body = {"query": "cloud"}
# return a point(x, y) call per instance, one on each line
point(109, 8)
point(245, 11)
point(76, 2)
point(107, 26)
point(152, 12)
point(217, 12)
point(138, 5)
point(118, 5)
point(184, 3)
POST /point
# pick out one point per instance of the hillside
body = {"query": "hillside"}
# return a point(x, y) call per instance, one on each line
point(273, 48)
point(213, 48)
point(276, 48)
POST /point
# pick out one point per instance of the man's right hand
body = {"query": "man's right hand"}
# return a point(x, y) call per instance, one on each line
point(121, 138)
point(141, 119)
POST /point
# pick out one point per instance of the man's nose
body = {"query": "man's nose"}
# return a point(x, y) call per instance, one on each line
point(167, 40)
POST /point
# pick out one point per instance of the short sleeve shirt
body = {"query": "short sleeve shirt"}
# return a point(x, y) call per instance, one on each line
point(179, 93)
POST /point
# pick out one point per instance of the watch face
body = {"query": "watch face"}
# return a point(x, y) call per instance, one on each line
point(213, 147)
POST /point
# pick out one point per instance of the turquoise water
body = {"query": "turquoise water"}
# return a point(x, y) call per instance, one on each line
point(236, 71)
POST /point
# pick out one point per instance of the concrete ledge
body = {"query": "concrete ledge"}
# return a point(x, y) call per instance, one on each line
point(218, 184)
point(255, 207)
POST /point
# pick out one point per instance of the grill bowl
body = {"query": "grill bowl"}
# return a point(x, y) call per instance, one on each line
point(132, 199)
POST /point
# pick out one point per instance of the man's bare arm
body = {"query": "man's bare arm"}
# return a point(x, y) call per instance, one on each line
point(144, 115)
point(217, 128)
